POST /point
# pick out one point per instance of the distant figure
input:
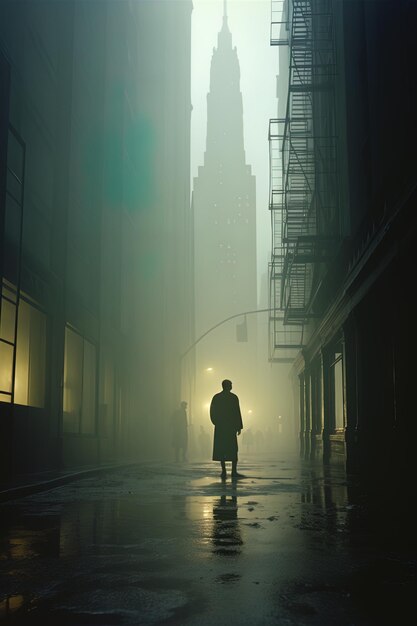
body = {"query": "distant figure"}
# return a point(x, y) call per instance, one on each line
point(179, 431)
point(204, 443)
point(227, 419)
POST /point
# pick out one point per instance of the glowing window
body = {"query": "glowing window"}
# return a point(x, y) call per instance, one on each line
point(29, 386)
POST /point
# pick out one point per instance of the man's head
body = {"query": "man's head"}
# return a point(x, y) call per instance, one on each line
point(227, 385)
point(184, 404)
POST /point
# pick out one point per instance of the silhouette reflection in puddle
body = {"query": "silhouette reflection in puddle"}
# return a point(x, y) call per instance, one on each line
point(226, 537)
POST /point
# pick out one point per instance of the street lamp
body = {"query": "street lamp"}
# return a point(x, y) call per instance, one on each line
point(196, 341)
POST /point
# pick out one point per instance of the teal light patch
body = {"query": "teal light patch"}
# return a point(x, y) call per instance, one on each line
point(129, 168)
point(120, 157)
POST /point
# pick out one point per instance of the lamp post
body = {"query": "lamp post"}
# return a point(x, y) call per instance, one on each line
point(207, 332)
point(227, 319)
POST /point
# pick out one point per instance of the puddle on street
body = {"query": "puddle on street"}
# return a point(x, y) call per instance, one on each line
point(54, 525)
point(66, 551)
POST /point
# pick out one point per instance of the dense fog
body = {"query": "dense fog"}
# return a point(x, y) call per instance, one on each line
point(114, 263)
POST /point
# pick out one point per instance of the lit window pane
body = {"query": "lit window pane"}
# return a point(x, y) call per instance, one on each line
point(30, 356)
point(8, 313)
point(22, 354)
point(6, 366)
point(9, 291)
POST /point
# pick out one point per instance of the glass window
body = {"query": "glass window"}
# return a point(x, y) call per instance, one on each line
point(7, 334)
point(29, 388)
point(21, 383)
point(79, 384)
point(8, 314)
point(6, 366)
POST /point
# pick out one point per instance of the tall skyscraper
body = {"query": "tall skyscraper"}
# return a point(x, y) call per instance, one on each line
point(224, 200)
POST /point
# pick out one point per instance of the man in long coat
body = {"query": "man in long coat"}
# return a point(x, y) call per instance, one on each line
point(227, 419)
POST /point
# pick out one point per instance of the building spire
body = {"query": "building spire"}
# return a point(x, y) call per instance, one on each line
point(225, 35)
point(225, 25)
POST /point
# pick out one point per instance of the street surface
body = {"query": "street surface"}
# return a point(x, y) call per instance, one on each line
point(287, 544)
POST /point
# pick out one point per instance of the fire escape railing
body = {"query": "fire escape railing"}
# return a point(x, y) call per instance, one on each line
point(285, 339)
point(299, 166)
point(279, 23)
point(303, 195)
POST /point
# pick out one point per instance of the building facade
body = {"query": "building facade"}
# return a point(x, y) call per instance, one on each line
point(95, 228)
point(344, 224)
point(224, 205)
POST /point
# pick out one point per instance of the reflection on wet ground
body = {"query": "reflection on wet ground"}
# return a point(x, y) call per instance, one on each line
point(288, 544)
point(227, 537)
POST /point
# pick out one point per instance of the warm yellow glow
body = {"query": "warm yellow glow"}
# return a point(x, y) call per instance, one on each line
point(15, 602)
point(10, 604)
point(209, 369)
point(29, 387)
point(6, 365)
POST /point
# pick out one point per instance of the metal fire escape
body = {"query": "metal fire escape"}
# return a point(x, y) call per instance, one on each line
point(285, 339)
point(303, 190)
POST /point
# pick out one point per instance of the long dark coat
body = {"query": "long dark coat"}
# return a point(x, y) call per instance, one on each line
point(227, 419)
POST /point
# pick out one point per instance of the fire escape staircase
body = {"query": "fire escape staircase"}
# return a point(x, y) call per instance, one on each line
point(302, 166)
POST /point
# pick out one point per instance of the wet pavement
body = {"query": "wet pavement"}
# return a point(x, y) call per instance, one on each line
point(289, 543)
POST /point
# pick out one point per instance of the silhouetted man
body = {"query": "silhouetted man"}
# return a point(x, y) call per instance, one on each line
point(227, 419)
point(179, 428)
